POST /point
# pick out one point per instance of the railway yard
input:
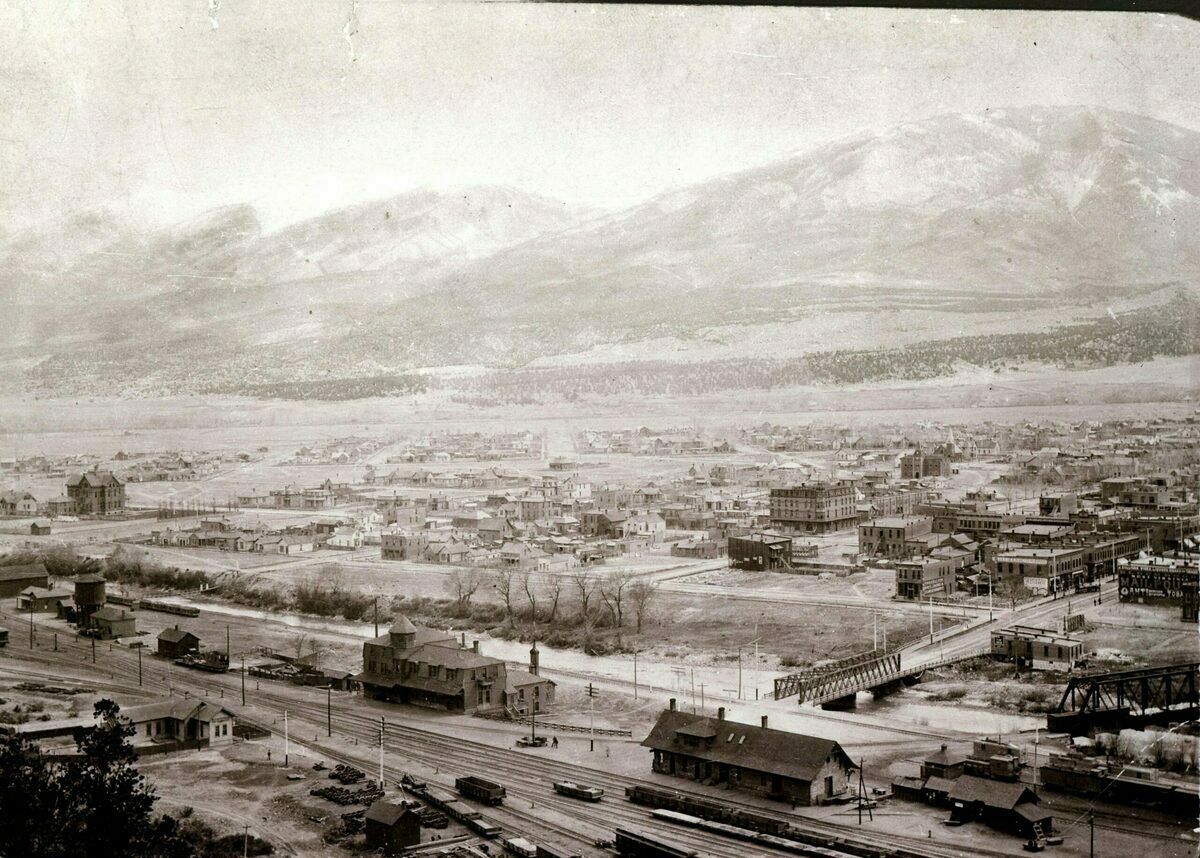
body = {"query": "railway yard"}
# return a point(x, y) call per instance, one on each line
point(824, 648)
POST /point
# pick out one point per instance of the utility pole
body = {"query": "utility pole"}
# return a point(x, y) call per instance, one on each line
point(693, 691)
point(874, 632)
point(739, 673)
point(382, 730)
point(1092, 833)
point(31, 622)
point(227, 650)
point(635, 693)
point(245, 841)
point(931, 619)
point(93, 650)
point(139, 649)
point(591, 693)
point(243, 679)
point(376, 603)
point(285, 739)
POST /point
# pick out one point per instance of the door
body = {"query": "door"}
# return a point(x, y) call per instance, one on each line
point(829, 786)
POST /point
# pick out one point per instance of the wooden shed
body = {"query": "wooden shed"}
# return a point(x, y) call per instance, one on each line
point(391, 827)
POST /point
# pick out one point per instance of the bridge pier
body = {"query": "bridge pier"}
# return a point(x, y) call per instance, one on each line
point(841, 704)
point(881, 691)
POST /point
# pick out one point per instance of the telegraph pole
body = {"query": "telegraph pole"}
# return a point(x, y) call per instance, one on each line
point(591, 693)
point(93, 650)
point(376, 602)
point(739, 673)
point(329, 710)
point(382, 729)
point(227, 650)
point(243, 679)
point(285, 739)
point(931, 619)
point(139, 649)
point(635, 693)
point(31, 622)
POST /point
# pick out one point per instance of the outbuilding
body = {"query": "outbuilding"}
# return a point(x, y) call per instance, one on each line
point(391, 827)
point(1009, 807)
point(176, 643)
point(113, 622)
point(14, 579)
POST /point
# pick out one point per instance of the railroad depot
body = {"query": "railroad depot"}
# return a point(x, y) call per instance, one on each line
point(804, 770)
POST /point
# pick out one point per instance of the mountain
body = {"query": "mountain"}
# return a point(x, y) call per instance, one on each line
point(1011, 211)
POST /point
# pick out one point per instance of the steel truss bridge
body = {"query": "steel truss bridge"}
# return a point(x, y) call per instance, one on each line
point(1102, 697)
point(839, 681)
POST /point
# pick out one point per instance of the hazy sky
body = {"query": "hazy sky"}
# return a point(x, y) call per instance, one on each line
point(163, 109)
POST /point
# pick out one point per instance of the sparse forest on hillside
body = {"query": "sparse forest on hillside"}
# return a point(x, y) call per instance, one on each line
point(1168, 330)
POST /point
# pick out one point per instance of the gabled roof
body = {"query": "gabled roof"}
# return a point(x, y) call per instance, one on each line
point(762, 749)
point(386, 812)
point(175, 635)
point(95, 479)
point(25, 570)
point(1001, 794)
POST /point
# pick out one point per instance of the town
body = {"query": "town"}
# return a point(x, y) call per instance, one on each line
point(763, 639)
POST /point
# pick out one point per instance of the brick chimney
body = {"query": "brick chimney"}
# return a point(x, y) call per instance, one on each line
point(720, 713)
point(671, 705)
point(764, 722)
point(475, 647)
point(533, 659)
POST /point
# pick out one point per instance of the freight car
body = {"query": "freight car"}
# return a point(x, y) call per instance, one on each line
point(459, 810)
point(637, 844)
point(479, 789)
point(574, 790)
point(168, 608)
point(705, 808)
point(734, 832)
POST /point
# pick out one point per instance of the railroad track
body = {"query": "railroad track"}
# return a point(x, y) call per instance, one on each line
point(527, 775)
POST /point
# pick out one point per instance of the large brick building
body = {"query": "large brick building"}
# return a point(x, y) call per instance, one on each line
point(425, 667)
point(96, 492)
point(814, 507)
point(888, 537)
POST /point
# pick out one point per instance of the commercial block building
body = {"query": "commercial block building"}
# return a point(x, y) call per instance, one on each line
point(887, 537)
point(924, 577)
point(814, 507)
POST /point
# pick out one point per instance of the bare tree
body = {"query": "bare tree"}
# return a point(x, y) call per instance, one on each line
point(556, 587)
point(527, 584)
point(613, 592)
point(640, 593)
point(504, 586)
point(585, 585)
point(462, 584)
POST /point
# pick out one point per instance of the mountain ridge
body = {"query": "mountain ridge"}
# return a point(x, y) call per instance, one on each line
point(1025, 208)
